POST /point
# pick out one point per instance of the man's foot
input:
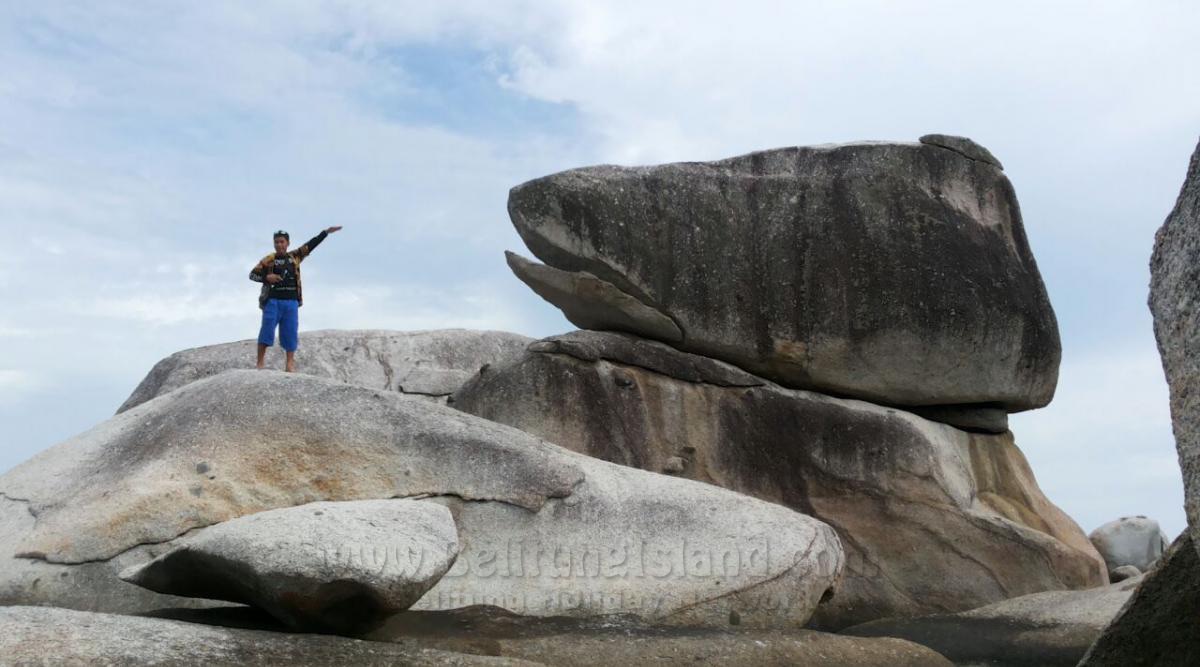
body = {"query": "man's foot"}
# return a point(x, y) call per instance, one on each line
point(291, 368)
point(259, 367)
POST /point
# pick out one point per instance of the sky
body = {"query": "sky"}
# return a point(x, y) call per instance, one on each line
point(148, 150)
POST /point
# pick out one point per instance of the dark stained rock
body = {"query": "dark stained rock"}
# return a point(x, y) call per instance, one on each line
point(895, 272)
point(1160, 623)
point(1175, 303)
point(1038, 630)
point(977, 419)
point(933, 519)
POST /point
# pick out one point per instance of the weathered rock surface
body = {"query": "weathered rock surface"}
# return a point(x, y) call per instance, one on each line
point(1038, 630)
point(420, 363)
point(341, 567)
point(1158, 624)
point(1174, 286)
point(1130, 540)
point(543, 531)
point(51, 636)
point(963, 146)
point(933, 519)
point(894, 272)
point(620, 642)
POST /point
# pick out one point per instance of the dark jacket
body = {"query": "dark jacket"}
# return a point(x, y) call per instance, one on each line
point(288, 266)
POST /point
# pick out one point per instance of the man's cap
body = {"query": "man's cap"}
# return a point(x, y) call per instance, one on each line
point(281, 233)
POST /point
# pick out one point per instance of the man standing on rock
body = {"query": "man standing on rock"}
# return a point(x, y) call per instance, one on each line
point(282, 295)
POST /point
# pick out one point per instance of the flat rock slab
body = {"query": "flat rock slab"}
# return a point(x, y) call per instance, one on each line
point(1038, 630)
point(542, 531)
point(622, 642)
point(51, 636)
point(894, 272)
point(933, 519)
point(1174, 286)
point(341, 567)
point(1159, 623)
point(418, 363)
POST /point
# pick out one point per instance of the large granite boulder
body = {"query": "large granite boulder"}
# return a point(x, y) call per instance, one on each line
point(429, 364)
point(341, 567)
point(51, 636)
point(895, 272)
point(1158, 625)
point(1174, 290)
point(1135, 541)
point(543, 531)
point(1037, 630)
point(933, 519)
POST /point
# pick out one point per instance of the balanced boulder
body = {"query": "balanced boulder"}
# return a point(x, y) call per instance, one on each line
point(341, 567)
point(1175, 304)
point(895, 272)
point(933, 519)
point(542, 531)
point(1130, 541)
point(428, 364)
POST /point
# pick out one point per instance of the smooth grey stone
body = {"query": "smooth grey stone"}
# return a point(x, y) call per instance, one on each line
point(543, 531)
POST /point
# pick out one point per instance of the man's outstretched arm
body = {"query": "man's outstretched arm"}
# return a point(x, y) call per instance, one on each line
point(311, 245)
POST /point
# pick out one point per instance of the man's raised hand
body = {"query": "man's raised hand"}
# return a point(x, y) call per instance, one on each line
point(333, 229)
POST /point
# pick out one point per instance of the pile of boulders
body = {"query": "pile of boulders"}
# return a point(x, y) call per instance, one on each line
point(786, 408)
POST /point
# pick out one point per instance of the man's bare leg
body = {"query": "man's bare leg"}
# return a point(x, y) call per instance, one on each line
point(291, 362)
point(262, 353)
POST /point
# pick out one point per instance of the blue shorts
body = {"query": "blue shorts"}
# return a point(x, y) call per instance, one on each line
point(285, 314)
